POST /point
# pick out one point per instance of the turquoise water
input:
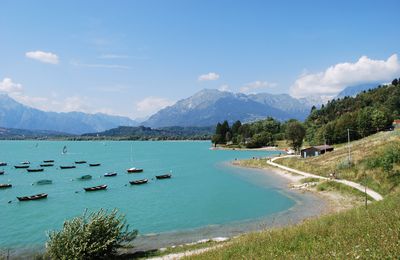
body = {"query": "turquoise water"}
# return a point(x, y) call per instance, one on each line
point(203, 192)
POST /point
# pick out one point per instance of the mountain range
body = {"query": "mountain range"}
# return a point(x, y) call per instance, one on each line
point(210, 106)
point(205, 108)
point(16, 115)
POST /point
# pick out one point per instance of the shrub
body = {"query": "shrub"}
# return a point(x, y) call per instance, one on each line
point(91, 236)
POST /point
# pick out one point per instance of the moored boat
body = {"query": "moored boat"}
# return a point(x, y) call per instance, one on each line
point(68, 167)
point(21, 166)
point(44, 182)
point(25, 162)
point(1, 172)
point(164, 176)
point(138, 182)
point(80, 162)
point(35, 170)
point(94, 164)
point(133, 170)
point(33, 197)
point(5, 185)
point(48, 161)
point(100, 187)
point(46, 165)
point(85, 177)
point(3, 164)
point(110, 174)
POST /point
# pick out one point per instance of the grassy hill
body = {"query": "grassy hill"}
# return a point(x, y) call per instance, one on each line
point(375, 161)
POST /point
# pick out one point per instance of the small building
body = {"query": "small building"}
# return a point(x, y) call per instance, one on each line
point(396, 123)
point(315, 150)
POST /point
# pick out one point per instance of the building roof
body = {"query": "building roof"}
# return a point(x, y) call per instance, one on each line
point(323, 147)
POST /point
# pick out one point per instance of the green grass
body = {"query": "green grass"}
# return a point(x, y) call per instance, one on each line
point(341, 188)
point(310, 179)
point(360, 233)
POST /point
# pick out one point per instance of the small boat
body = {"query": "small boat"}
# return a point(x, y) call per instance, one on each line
point(138, 182)
point(44, 182)
point(164, 176)
point(67, 167)
point(85, 177)
point(94, 164)
point(100, 187)
point(1, 172)
point(133, 170)
point(46, 165)
point(110, 174)
point(26, 162)
point(33, 197)
point(35, 170)
point(80, 162)
point(5, 185)
point(48, 161)
point(21, 166)
point(3, 164)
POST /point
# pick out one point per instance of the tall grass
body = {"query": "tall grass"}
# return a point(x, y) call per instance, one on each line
point(360, 233)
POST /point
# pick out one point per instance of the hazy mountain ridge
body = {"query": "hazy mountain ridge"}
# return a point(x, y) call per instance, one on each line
point(16, 115)
point(210, 106)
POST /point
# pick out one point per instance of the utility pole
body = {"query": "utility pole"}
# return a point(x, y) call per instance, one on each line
point(348, 144)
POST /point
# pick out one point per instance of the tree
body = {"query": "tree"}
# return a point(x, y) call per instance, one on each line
point(395, 82)
point(295, 133)
point(235, 127)
point(93, 236)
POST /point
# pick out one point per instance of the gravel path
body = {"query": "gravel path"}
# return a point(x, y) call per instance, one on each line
point(373, 194)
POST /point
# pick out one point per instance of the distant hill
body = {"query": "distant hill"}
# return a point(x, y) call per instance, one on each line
point(16, 115)
point(165, 133)
point(210, 106)
point(11, 133)
point(352, 91)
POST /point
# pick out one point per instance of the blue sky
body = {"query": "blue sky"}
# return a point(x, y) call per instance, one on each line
point(133, 57)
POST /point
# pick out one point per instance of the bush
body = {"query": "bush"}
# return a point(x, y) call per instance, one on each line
point(93, 236)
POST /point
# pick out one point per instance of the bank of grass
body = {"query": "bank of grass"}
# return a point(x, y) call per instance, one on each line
point(374, 162)
point(341, 188)
point(359, 233)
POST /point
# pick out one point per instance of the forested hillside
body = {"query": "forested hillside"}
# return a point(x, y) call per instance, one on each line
point(367, 113)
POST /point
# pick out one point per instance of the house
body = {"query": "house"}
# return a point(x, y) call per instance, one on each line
point(315, 150)
point(396, 123)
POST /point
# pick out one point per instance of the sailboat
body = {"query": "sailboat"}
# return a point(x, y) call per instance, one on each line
point(133, 169)
point(64, 151)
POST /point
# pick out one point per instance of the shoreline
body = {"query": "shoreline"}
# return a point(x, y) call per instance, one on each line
point(335, 201)
point(267, 148)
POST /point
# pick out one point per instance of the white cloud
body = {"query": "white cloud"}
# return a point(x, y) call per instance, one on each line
point(334, 79)
point(208, 76)
point(253, 87)
point(151, 105)
point(224, 88)
point(8, 86)
point(46, 57)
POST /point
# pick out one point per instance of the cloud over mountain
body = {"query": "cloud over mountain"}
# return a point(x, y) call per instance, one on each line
point(334, 79)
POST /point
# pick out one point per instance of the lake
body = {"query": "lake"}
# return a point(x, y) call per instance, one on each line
point(206, 196)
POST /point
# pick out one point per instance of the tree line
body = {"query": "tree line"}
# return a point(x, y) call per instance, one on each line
point(260, 133)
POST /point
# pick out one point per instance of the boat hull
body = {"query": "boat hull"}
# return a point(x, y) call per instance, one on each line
point(139, 182)
point(33, 197)
point(96, 188)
